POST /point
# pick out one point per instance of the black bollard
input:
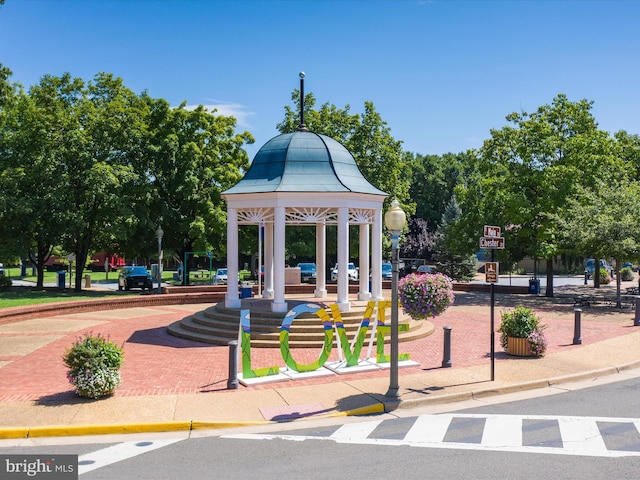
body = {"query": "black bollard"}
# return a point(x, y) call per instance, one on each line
point(577, 335)
point(446, 352)
point(636, 320)
point(232, 383)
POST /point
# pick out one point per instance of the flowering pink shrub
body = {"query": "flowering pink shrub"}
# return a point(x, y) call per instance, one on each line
point(537, 342)
point(425, 295)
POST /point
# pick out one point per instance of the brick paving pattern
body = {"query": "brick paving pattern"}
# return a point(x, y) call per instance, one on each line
point(157, 363)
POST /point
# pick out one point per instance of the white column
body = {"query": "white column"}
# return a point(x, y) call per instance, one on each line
point(268, 260)
point(321, 260)
point(376, 255)
point(232, 299)
point(363, 293)
point(278, 304)
point(343, 259)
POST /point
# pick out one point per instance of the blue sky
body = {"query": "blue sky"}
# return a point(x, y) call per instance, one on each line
point(440, 73)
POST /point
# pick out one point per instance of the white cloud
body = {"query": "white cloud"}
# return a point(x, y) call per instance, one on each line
point(228, 109)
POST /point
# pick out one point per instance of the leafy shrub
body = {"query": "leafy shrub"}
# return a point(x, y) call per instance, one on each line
point(626, 274)
point(5, 282)
point(425, 295)
point(94, 364)
point(523, 323)
point(605, 278)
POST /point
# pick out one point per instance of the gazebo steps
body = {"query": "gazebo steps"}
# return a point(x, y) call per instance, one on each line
point(218, 325)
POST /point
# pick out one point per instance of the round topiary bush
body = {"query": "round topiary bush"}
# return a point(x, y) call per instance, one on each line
point(94, 366)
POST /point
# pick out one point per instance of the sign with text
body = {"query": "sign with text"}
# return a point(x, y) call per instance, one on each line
point(53, 467)
point(491, 231)
point(491, 272)
point(492, 242)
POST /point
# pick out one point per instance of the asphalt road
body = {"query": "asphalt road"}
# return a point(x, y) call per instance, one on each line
point(567, 432)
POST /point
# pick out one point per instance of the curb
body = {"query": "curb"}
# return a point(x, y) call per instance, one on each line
point(383, 406)
point(516, 387)
point(375, 408)
point(81, 430)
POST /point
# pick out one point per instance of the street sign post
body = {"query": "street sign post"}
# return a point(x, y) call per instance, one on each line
point(491, 272)
point(492, 240)
point(491, 231)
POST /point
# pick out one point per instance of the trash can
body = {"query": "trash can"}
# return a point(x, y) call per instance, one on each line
point(246, 291)
point(534, 286)
point(61, 278)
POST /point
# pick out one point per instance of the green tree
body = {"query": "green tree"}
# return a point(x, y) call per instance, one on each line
point(434, 179)
point(457, 265)
point(605, 223)
point(526, 172)
point(96, 156)
point(628, 150)
point(190, 156)
point(33, 213)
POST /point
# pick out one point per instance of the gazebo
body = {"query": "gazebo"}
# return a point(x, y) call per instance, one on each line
point(305, 178)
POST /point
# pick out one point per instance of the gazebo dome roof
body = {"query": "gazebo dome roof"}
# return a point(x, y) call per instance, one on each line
point(303, 161)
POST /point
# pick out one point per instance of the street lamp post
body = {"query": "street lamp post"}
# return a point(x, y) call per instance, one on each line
point(394, 220)
point(159, 234)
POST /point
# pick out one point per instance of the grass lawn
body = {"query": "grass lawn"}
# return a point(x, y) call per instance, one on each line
point(18, 296)
point(27, 295)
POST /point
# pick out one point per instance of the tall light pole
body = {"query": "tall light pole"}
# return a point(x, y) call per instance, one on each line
point(394, 220)
point(159, 234)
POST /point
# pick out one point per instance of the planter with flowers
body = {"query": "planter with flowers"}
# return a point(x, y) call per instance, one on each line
point(522, 333)
point(425, 295)
point(94, 366)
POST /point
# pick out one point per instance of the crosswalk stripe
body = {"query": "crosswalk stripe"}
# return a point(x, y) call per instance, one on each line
point(116, 453)
point(502, 431)
point(429, 429)
point(581, 434)
point(354, 431)
point(543, 434)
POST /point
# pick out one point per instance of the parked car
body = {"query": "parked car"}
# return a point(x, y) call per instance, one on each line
point(307, 272)
point(221, 276)
point(590, 266)
point(134, 277)
point(1, 270)
point(424, 269)
point(352, 273)
point(386, 271)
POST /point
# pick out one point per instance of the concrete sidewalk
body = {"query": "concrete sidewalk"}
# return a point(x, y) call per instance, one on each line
point(175, 384)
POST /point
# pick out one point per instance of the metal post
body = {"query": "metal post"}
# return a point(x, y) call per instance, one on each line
point(159, 264)
point(394, 385)
point(577, 335)
point(159, 234)
point(493, 326)
point(232, 382)
point(446, 352)
point(636, 320)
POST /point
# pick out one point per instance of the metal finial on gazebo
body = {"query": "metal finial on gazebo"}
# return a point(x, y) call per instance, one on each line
point(302, 127)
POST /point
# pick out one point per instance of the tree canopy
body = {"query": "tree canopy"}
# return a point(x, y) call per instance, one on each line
point(91, 165)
